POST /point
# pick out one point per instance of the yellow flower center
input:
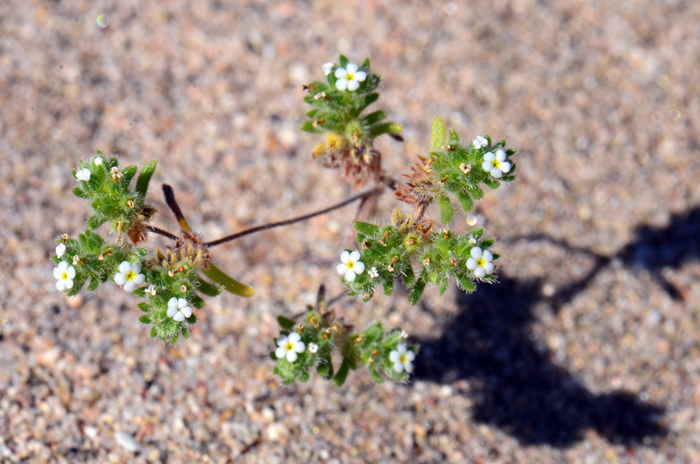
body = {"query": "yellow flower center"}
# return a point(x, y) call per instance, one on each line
point(131, 275)
point(403, 359)
point(349, 76)
point(350, 264)
point(481, 262)
point(64, 276)
point(289, 346)
point(496, 164)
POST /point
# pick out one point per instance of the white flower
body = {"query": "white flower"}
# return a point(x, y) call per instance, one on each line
point(349, 77)
point(178, 309)
point(98, 161)
point(313, 347)
point(350, 266)
point(373, 272)
point(129, 276)
point(480, 142)
point(83, 174)
point(402, 359)
point(480, 262)
point(151, 290)
point(64, 275)
point(496, 164)
point(327, 68)
point(60, 249)
point(289, 347)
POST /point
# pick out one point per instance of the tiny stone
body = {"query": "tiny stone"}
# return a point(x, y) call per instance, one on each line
point(126, 441)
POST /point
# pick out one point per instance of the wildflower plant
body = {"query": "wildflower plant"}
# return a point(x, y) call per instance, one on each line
point(173, 282)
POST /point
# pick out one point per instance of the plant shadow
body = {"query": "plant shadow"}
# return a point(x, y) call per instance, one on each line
point(516, 386)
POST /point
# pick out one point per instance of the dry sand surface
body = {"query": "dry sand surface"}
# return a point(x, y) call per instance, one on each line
point(587, 351)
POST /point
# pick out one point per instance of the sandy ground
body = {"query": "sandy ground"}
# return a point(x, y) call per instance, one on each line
point(587, 351)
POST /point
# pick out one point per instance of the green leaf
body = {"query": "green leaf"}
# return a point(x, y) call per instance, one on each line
point(454, 138)
point(286, 323)
point(418, 290)
point(409, 276)
point(192, 319)
point(383, 128)
point(325, 367)
point(80, 193)
point(94, 283)
point(128, 174)
point(227, 282)
point(374, 118)
point(145, 319)
point(365, 64)
point(375, 376)
point(343, 61)
point(196, 301)
point(447, 212)
point(492, 183)
point(154, 332)
point(207, 288)
point(96, 221)
point(143, 307)
point(368, 100)
point(342, 374)
point(488, 242)
point(389, 286)
point(466, 201)
point(145, 178)
point(308, 126)
point(466, 284)
point(438, 134)
point(475, 192)
point(365, 228)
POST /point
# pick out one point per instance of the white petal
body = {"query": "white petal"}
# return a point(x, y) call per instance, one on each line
point(294, 337)
point(398, 367)
point(360, 76)
point(327, 68)
point(402, 349)
point(487, 166)
point(136, 267)
point(408, 366)
point(353, 85)
point(125, 267)
point(341, 84)
point(355, 255)
point(299, 347)
point(71, 272)
point(476, 252)
point(501, 155)
point(282, 340)
point(350, 276)
point(496, 173)
point(181, 303)
point(140, 279)
point(119, 278)
point(187, 311)
point(291, 356)
point(340, 269)
point(179, 317)
point(345, 256)
point(340, 72)
point(359, 267)
point(62, 266)
point(172, 310)
point(60, 285)
point(488, 256)
point(57, 273)
point(489, 156)
point(280, 352)
point(479, 272)
point(471, 264)
point(410, 356)
point(60, 249)
point(69, 283)
point(98, 161)
point(488, 267)
point(129, 286)
point(352, 68)
point(172, 303)
point(505, 166)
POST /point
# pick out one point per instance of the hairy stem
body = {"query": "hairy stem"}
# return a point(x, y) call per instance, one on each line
point(287, 222)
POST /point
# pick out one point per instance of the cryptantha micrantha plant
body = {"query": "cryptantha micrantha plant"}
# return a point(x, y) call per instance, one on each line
point(409, 249)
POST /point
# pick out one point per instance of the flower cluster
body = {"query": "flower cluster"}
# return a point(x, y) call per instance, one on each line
point(338, 104)
point(310, 344)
